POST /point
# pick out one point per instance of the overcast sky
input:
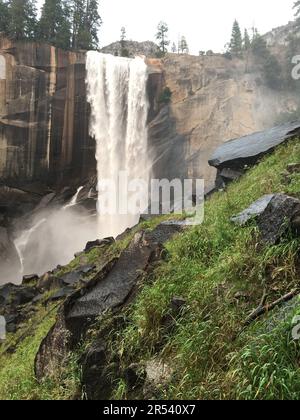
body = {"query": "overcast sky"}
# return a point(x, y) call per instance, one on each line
point(205, 23)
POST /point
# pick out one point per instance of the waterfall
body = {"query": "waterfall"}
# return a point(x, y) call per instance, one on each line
point(22, 241)
point(119, 108)
point(73, 201)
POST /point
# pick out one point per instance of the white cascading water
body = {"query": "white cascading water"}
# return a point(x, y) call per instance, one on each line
point(117, 94)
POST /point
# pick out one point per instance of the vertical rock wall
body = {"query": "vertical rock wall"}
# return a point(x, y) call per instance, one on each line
point(43, 115)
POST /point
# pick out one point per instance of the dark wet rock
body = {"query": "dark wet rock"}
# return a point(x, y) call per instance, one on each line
point(86, 269)
point(30, 279)
point(115, 289)
point(61, 294)
point(112, 287)
point(99, 243)
point(45, 201)
point(11, 318)
point(293, 168)
point(253, 211)
point(135, 376)
point(124, 234)
point(177, 304)
point(97, 383)
point(15, 202)
point(230, 175)
point(49, 282)
point(12, 295)
point(235, 154)
point(11, 328)
point(278, 217)
point(38, 299)
point(71, 278)
point(275, 215)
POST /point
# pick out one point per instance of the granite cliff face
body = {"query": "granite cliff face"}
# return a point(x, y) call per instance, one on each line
point(214, 99)
point(43, 115)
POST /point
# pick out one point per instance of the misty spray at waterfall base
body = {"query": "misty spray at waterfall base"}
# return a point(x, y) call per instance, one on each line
point(116, 90)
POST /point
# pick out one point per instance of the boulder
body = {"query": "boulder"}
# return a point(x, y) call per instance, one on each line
point(49, 282)
point(275, 215)
point(97, 384)
point(13, 296)
point(98, 243)
point(71, 278)
point(234, 156)
point(86, 269)
point(61, 294)
point(30, 279)
point(280, 215)
point(111, 288)
point(254, 210)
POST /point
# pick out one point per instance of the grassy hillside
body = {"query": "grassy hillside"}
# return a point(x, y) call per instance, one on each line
point(221, 271)
point(210, 266)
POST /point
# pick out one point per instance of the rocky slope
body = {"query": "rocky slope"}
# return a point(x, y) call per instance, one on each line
point(158, 313)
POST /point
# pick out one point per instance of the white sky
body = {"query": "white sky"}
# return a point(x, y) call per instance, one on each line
point(206, 24)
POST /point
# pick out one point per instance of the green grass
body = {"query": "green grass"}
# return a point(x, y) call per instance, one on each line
point(207, 266)
point(222, 271)
point(17, 380)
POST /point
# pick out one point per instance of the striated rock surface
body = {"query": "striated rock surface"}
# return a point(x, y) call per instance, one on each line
point(237, 153)
point(234, 156)
point(214, 99)
point(112, 288)
point(43, 115)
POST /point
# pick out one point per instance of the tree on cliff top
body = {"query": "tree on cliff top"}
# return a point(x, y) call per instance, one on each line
point(22, 19)
point(236, 43)
point(86, 22)
point(54, 25)
point(4, 16)
point(247, 41)
point(124, 51)
point(183, 45)
point(162, 37)
point(297, 13)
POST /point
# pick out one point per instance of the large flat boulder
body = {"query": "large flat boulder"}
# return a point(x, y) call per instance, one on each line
point(233, 156)
point(112, 288)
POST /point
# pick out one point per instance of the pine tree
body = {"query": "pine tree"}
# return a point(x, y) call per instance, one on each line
point(54, 25)
point(4, 16)
point(162, 37)
point(247, 41)
point(236, 43)
point(22, 19)
point(174, 48)
point(85, 24)
point(297, 13)
point(259, 45)
point(184, 49)
point(124, 50)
